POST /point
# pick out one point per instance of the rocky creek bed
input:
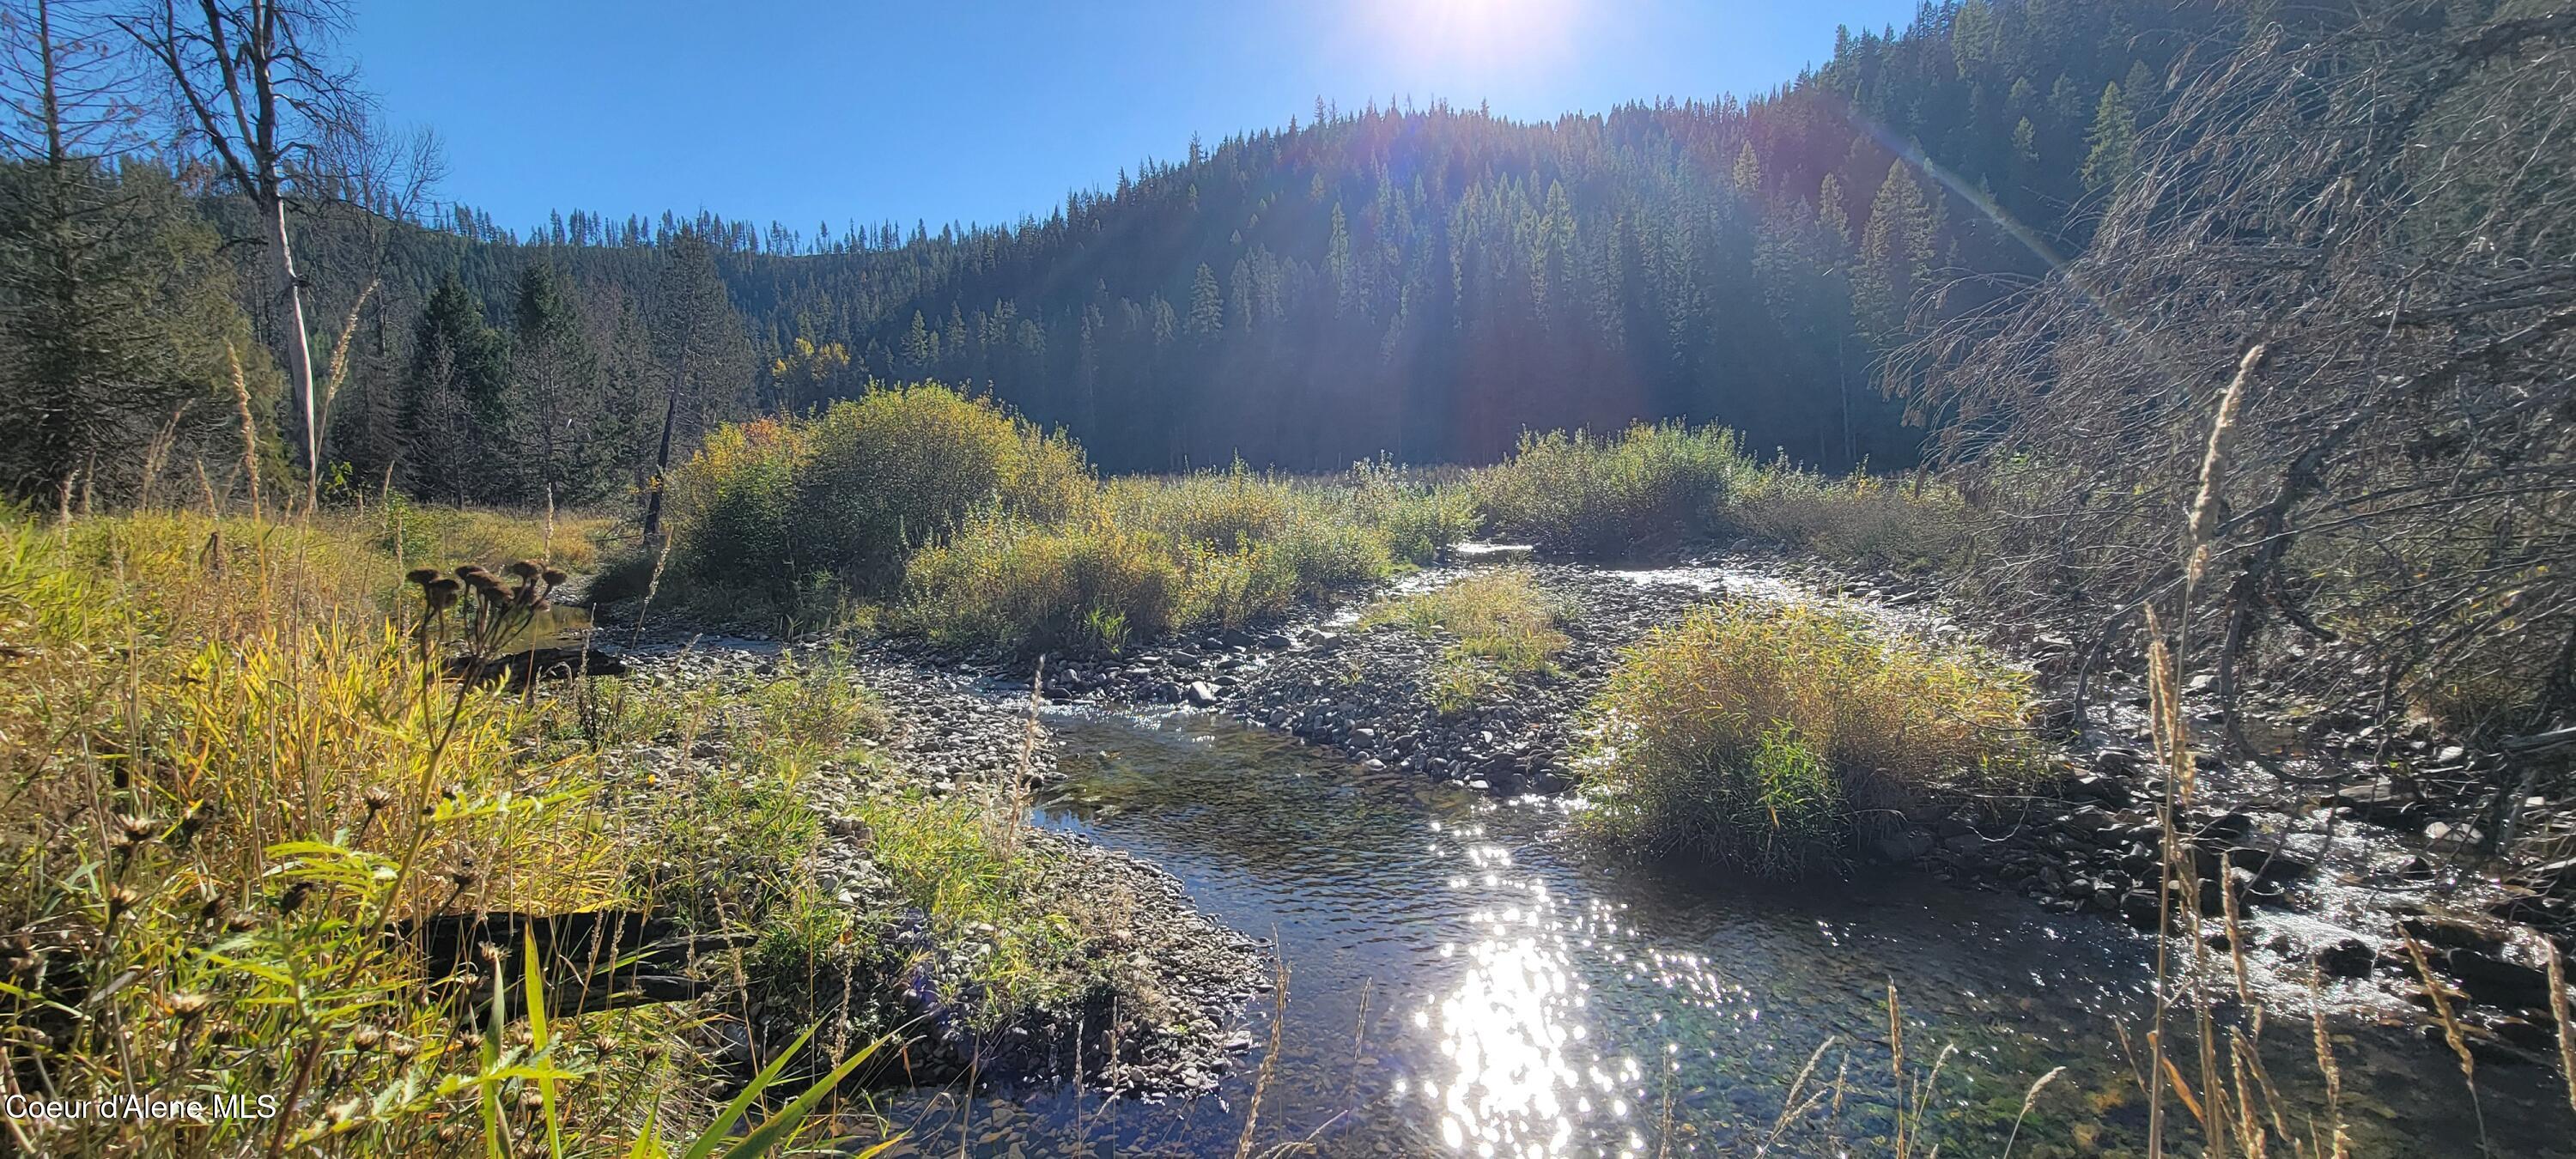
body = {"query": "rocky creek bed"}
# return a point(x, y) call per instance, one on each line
point(2332, 873)
point(1172, 982)
point(2332, 880)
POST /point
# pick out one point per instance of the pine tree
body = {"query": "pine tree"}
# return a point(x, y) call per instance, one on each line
point(1896, 250)
point(452, 398)
point(1207, 308)
point(553, 417)
point(2111, 147)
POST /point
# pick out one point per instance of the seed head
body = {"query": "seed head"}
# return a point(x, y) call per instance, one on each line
point(467, 571)
point(366, 1037)
point(421, 576)
point(294, 896)
point(441, 593)
point(527, 568)
point(241, 921)
point(121, 899)
point(553, 576)
point(137, 828)
point(402, 1048)
point(376, 798)
point(188, 1005)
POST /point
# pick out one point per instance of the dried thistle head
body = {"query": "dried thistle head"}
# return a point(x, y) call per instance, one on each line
point(187, 1005)
point(121, 899)
point(376, 798)
point(366, 1037)
point(136, 828)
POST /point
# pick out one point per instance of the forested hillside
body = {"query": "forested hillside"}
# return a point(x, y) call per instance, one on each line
point(1432, 279)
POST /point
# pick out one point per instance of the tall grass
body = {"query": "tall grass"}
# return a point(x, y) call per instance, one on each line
point(977, 528)
point(1766, 735)
point(1150, 556)
point(234, 762)
point(1658, 489)
point(1576, 493)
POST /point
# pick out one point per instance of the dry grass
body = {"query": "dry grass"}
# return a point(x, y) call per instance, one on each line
point(1763, 734)
point(232, 761)
point(1157, 555)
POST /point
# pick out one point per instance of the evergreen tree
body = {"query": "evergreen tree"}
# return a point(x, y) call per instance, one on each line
point(703, 354)
point(2111, 147)
point(1895, 260)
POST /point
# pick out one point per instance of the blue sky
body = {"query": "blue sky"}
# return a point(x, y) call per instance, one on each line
point(810, 110)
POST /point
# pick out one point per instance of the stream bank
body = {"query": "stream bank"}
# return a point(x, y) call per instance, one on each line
point(2321, 930)
point(2331, 880)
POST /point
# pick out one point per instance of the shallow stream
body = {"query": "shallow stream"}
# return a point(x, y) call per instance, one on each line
point(1461, 980)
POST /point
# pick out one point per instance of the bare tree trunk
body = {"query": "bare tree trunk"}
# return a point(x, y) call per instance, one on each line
point(299, 349)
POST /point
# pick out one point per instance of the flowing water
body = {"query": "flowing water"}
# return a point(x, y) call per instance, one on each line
point(1462, 981)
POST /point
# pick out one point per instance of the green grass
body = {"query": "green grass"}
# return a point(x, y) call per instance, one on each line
point(1913, 525)
point(1654, 490)
point(1764, 735)
point(1151, 556)
point(1499, 624)
point(976, 888)
point(1647, 488)
point(952, 518)
point(789, 513)
point(232, 760)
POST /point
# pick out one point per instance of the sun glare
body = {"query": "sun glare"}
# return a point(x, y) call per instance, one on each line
point(1459, 39)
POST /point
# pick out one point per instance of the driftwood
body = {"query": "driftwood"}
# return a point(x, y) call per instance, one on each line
point(590, 960)
point(516, 670)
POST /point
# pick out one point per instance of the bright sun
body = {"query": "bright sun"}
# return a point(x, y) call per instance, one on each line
point(1463, 39)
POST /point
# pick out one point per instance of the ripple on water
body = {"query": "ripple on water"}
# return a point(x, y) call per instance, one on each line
point(1460, 982)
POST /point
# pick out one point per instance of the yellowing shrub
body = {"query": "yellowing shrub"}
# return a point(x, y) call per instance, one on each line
point(1714, 732)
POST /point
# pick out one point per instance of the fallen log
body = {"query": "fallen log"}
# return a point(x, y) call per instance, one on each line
point(518, 669)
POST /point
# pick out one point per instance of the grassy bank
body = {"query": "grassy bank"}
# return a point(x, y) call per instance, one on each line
point(948, 516)
point(235, 761)
point(1767, 736)
point(1658, 489)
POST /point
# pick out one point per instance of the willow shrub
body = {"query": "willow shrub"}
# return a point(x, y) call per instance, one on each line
point(776, 507)
point(1766, 736)
point(1589, 495)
